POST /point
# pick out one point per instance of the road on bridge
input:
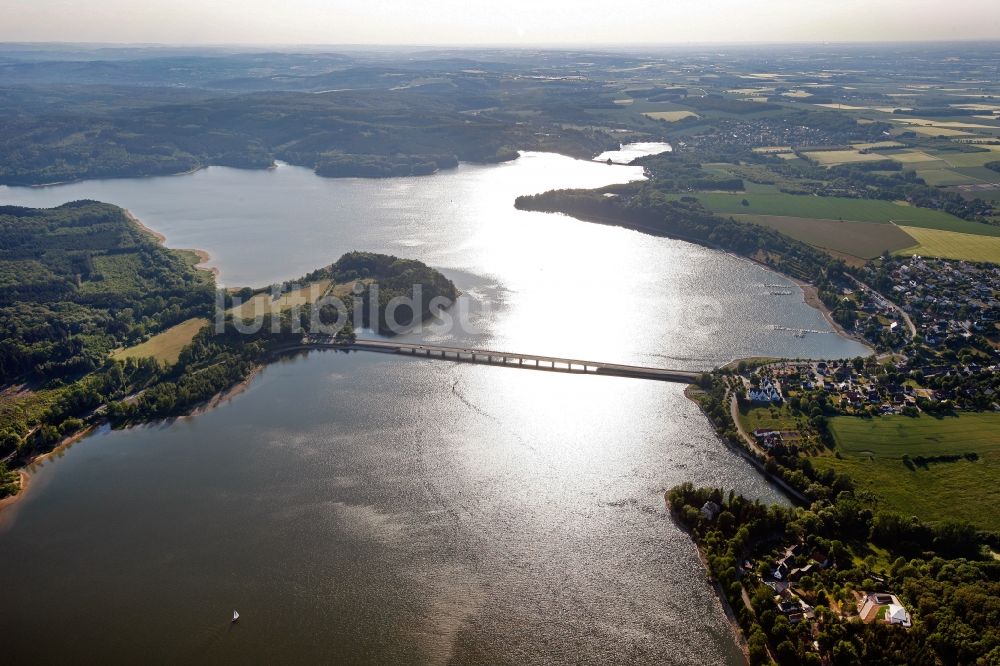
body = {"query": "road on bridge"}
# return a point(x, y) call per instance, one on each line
point(506, 359)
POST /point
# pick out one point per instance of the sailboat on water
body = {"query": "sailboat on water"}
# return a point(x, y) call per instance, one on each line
point(236, 615)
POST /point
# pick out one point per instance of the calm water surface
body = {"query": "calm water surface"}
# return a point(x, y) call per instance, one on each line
point(628, 152)
point(537, 282)
point(366, 508)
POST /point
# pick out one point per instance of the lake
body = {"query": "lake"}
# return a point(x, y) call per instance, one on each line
point(367, 508)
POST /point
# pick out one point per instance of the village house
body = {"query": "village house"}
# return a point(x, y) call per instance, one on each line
point(709, 510)
point(894, 612)
point(767, 392)
point(767, 439)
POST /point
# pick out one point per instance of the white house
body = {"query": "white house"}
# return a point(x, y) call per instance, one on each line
point(896, 614)
point(766, 392)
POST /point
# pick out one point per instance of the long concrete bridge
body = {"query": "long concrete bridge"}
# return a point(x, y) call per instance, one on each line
point(505, 359)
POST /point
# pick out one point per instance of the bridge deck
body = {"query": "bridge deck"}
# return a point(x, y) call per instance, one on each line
point(507, 359)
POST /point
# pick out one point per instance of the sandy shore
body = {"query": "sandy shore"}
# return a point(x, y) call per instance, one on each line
point(226, 395)
point(720, 595)
point(23, 478)
point(137, 222)
point(203, 256)
point(811, 295)
point(24, 473)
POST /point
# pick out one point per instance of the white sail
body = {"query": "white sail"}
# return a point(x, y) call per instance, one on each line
point(236, 615)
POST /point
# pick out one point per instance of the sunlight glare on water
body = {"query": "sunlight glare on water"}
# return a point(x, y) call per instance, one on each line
point(361, 507)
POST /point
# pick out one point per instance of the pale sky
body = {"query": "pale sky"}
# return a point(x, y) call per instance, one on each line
point(524, 22)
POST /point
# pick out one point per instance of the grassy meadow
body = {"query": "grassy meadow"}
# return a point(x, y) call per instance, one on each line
point(261, 304)
point(871, 452)
point(165, 346)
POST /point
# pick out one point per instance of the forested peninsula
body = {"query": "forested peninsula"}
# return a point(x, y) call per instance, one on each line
point(89, 299)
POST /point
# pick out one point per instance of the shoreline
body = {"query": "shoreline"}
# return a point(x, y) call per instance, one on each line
point(160, 238)
point(225, 395)
point(811, 296)
point(24, 472)
point(73, 181)
point(720, 594)
point(793, 496)
point(203, 256)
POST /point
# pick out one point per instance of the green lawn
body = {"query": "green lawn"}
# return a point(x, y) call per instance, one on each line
point(780, 418)
point(872, 452)
point(165, 346)
point(834, 208)
point(770, 418)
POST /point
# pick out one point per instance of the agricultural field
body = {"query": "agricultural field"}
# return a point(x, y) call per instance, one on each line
point(990, 194)
point(910, 157)
point(165, 346)
point(865, 240)
point(871, 452)
point(983, 174)
point(931, 130)
point(878, 145)
point(671, 116)
point(950, 124)
point(950, 245)
point(959, 159)
point(835, 208)
point(835, 157)
point(945, 177)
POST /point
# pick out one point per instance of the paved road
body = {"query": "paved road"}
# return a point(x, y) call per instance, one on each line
point(506, 358)
point(734, 411)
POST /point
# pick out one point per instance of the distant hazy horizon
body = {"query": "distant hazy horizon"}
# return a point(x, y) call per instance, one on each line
point(511, 23)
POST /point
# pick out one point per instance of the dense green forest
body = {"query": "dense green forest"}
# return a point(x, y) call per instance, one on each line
point(368, 133)
point(80, 280)
point(394, 278)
